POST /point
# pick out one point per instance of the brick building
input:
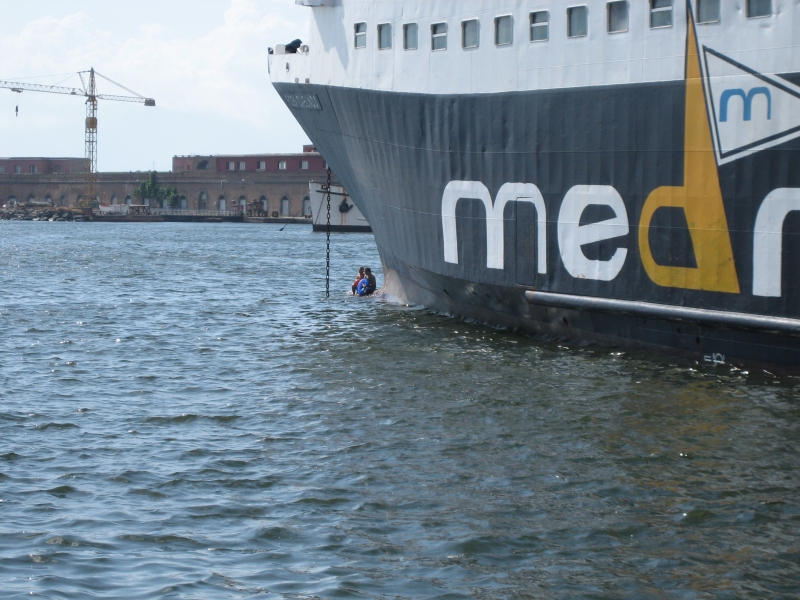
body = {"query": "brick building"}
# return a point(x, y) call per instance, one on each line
point(44, 166)
point(309, 160)
point(275, 183)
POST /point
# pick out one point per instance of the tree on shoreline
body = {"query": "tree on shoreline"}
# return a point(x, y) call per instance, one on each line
point(162, 196)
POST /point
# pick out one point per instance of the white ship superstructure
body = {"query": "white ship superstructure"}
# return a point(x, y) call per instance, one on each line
point(647, 45)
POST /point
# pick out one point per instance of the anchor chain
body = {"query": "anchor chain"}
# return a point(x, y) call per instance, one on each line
point(328, 242)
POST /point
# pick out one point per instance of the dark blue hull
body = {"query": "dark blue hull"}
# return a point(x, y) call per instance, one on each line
point(396, 154)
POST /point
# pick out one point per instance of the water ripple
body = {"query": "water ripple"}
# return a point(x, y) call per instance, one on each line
point(183, 415)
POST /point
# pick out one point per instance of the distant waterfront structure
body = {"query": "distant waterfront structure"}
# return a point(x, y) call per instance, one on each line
point(273, 184)
point(41, 166)
point(309, 161)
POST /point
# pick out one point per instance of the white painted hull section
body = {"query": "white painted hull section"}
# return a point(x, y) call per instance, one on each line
point(351, 220)
point(642, 54)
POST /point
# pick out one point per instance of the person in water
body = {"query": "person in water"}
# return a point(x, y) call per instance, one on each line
point(358, 279)
point(367, 286)
point(361, 289)
point(373, 283)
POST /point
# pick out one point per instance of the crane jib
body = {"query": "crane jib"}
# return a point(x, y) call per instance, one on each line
point(89, 91)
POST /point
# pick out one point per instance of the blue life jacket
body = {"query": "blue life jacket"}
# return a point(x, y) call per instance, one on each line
point(361, 290)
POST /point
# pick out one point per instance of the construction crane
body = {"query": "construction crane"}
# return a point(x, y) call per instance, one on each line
point(89, 91)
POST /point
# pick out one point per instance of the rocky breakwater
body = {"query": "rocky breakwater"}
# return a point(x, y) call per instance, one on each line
point(40, 214)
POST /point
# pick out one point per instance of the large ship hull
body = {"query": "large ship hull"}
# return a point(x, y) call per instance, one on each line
point(397, 168)
point(610, 213)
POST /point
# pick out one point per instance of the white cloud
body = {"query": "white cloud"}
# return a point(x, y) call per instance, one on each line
point(211, 81)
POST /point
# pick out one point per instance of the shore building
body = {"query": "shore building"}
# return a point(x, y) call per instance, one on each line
point(274, 184)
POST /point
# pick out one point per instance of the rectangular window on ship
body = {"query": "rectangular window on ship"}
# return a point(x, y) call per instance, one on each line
point(304, 165)
point(241, 166)
point(262, 165)
point(660, 13)
point(540, 22)
point(503, 30)
point(231, 166)
point(439, 36)
point(384, 36)
point(759, 8)
point(577, 21)
point(470, 33)
point(282, 165)
point(410, 35)
point(361, 35)
point(617, 16)
point(708, 11)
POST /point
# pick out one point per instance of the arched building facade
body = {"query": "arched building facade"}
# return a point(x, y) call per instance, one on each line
point(205, 187)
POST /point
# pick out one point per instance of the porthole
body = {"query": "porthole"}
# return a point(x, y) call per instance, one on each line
point(759, 8)
point(410, 36)
point(540, 26)
point(384, 36)
point(504, 31)
point(360, 35)
point(708, 11)
point(660, 13)
point(470, 33)
point(577, 21)
point(439, 36)
point(617, 16)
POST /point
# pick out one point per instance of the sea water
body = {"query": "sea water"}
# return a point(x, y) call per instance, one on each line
point(184, 415)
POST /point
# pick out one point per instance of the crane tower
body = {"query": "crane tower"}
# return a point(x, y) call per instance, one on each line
point(89, 91)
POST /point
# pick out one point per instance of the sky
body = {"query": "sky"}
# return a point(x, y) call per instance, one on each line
point(204, 62)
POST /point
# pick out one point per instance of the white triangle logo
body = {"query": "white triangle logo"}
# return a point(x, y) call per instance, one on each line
point(750, 111)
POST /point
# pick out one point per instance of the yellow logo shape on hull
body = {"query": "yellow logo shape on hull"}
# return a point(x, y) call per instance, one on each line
point(700, 198)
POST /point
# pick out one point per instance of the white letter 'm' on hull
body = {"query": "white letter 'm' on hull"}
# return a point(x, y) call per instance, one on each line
point(495, 232)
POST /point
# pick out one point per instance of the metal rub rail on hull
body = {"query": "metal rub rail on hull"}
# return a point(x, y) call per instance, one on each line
point(679, 314)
